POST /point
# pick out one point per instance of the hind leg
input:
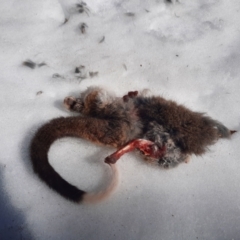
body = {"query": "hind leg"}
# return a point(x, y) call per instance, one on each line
point(146, 147)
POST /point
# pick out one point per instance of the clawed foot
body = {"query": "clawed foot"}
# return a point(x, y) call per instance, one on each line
point(73, 104)
point(131, 94)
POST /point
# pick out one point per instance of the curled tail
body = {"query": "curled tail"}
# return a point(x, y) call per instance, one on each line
point(40, 145)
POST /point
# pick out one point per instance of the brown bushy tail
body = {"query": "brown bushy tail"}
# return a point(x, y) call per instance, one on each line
point(40, 145)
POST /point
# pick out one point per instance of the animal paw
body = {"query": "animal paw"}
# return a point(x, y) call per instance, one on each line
point(73, 104)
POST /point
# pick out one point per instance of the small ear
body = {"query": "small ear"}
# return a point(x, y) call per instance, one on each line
point(145, 93)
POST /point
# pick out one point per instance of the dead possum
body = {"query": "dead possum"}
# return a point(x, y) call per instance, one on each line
point(165, 132)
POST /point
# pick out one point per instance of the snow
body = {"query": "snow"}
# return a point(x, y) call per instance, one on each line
point(187, 51)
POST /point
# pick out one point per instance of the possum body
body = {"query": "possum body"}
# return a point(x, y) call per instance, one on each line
point(115, 121)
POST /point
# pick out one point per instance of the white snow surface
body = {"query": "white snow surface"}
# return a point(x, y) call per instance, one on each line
point(187, 51)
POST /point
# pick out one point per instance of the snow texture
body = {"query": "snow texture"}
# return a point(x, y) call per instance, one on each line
point(184, 50)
